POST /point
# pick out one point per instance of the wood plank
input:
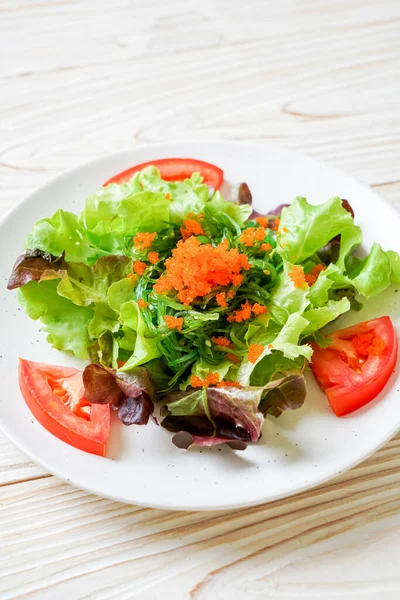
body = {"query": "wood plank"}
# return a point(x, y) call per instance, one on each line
point(16, 466)
point(74, 535)
point(307, 95)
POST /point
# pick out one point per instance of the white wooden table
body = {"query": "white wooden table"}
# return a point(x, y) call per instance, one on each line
point(82, 79)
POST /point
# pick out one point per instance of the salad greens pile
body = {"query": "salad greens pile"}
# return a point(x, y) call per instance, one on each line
point(115, 284)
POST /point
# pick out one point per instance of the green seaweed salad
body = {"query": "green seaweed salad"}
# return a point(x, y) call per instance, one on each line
point(186, 299)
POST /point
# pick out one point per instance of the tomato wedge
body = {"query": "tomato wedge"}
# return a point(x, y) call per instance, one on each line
point(176, 169)
point(357, 364)
point(55, 396)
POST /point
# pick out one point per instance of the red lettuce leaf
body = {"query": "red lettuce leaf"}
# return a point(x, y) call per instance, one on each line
point(244, 194)
point(286, 393)
point(31, 266)
point(132, 393)
point(214, 416)
point(135, 411)
point(271, 215)
point(101, 385)
point(229, 415)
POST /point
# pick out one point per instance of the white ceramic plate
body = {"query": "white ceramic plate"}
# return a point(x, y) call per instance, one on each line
point(297, 451)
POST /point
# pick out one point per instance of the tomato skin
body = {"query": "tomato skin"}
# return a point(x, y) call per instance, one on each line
point(51, 412)
point(175, 169)
point(347, 389)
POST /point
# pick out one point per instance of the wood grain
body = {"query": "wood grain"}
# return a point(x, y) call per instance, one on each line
point(84, 78)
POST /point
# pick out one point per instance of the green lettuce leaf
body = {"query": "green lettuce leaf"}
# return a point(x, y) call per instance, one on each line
point(146, 347)
point(113, 214)
point(376, 272)
point(286, 298)
point(310, 227)
point(66, 323)
point(394, 260)
point(120, 292)
point(320, 316)
point(229, 214)
point(275, 366)
point(62, 233)
point(286, 341)
point(104, 319)
point(189, 196)
point(127, 339)
point(329, 280)
point(104, 350)
point(85, 285)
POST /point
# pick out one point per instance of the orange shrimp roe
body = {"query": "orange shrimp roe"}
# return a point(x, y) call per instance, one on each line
point(196, 381)
point(143, 240)
point(153, 257)
point(168, 196)
point(142, 303)
point(312, 277)
point(139, 267)
point(231, 294)
point(194, 269)
point(252, 235)
point(131, 276)
point(211, 379)
point(232, 357)
point(258, 309)
point(255, 351)
point(266, 247)
point(262, 221)
point(191, 227)
point(221, 299)
point(244, 313)
point(241, 314)
point(297, 276)
point(121, 363)
point(228, 383)
point(173, 322)
point(275, 224)
point(222, 341)
point(367, 344)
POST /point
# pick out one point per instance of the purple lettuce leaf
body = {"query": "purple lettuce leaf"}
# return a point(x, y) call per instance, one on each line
point(347, 206)
point(286, 393)
point(244, 194)
point(31, 266)
point(272, 215)
point(131, 392)
point(214, 415)
point(184, 439)
point(230, 415)
point(101, 385)
point(135, 411)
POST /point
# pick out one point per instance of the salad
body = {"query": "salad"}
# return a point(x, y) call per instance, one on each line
point(197, 312)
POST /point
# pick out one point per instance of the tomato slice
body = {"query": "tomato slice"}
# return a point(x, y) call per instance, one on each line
point(357, 364)
point(55, 396)
point(176, 169)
